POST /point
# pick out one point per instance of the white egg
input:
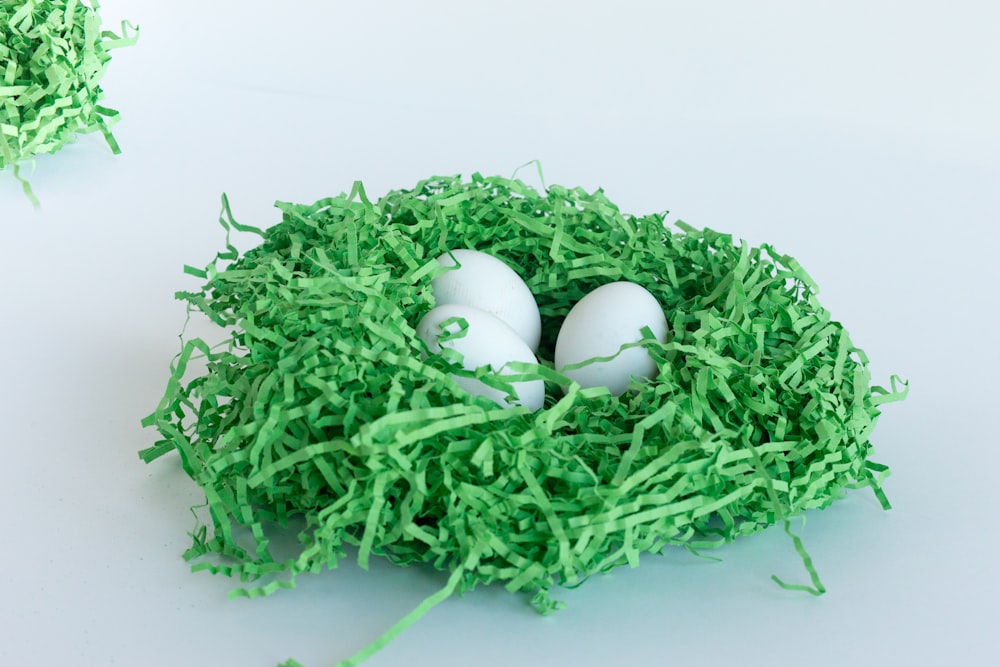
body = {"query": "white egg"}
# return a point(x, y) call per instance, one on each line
point(488, 341)
point(598, 325)
point(487, 283)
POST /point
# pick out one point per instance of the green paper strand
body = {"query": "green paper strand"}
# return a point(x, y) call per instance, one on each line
point(318, 408)
point(53, 55)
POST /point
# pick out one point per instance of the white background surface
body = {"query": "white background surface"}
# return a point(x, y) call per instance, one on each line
point(859, 137)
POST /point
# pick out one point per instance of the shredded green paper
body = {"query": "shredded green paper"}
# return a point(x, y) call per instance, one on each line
point(321, 407)
point(52, 57)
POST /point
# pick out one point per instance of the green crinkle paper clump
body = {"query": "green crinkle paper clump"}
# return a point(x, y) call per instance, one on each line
point(53, 55)
point(320, 409)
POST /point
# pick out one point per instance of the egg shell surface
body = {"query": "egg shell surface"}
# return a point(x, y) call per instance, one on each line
point(598, 325)
point(488, 341)
point(487, 283)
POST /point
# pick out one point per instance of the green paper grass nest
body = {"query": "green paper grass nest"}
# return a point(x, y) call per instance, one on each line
point(53, 55)
point(321, 406)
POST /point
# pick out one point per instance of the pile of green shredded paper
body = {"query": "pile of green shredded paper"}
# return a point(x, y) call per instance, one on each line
point(320, 408)
point(53, 55)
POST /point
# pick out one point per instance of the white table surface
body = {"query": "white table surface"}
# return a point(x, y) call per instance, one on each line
point(860, 137)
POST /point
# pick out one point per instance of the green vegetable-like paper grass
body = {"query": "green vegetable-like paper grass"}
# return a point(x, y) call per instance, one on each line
point(320, 406)
point(53, 55)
